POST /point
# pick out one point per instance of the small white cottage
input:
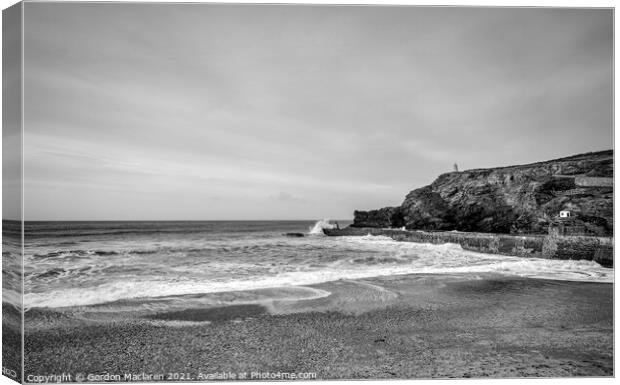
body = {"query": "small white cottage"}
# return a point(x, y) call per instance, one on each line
point(564, 214)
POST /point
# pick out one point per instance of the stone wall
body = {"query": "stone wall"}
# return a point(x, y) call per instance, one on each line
point(589, 181)
point(599, 249)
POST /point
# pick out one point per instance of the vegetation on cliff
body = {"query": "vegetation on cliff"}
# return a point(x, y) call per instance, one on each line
point(514, 199)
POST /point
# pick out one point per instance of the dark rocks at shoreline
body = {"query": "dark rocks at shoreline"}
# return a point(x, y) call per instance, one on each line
point(385, 217)
point(295, 235)
point(516, 199)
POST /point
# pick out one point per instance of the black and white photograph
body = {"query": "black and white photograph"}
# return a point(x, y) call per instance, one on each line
point(200, 192)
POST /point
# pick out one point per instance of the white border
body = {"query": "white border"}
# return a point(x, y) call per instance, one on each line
point(475, 3)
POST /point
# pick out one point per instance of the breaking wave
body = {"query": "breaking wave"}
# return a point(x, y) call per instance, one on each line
point(114, 270)
point(318, 227)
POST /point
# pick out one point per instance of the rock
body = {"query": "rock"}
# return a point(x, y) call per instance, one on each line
point(514, 199)
point(385, 217)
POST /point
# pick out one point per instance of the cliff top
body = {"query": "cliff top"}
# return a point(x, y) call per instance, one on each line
point(511, 199)
point(596, 155)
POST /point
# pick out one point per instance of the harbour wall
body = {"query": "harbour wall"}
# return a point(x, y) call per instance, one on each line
point(599, 249)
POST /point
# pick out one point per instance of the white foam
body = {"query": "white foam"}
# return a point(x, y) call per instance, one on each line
point(152, 289)
point(341, 258)
point(451, 258)
point(318, 227)
point(12, 297)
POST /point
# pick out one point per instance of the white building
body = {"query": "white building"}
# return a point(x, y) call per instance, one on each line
point(564, 214)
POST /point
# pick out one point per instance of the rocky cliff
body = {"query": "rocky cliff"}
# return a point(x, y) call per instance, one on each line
point(514, 199)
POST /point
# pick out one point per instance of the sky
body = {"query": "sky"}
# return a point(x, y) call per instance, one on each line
point(215, 112)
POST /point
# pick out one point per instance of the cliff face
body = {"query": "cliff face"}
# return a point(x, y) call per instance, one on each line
point(385, 217)
point(515, 199)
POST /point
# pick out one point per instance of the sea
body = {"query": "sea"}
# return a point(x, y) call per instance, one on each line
point(69, 264)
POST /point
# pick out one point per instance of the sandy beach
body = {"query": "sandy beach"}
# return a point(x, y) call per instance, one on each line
point(409, 326)
point(11, 341)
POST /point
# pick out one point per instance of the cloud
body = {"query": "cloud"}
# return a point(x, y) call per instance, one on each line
point(285, 197)
point(355, 105)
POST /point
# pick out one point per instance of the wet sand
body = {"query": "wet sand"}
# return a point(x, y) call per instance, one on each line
point(414, 326)
point(11, 341)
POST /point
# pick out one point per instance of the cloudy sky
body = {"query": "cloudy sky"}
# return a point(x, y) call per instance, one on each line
point(153, 111)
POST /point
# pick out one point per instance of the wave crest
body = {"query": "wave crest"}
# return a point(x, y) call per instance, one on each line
point(318, 227)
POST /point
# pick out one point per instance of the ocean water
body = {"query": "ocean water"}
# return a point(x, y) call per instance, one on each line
point(89, 263)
